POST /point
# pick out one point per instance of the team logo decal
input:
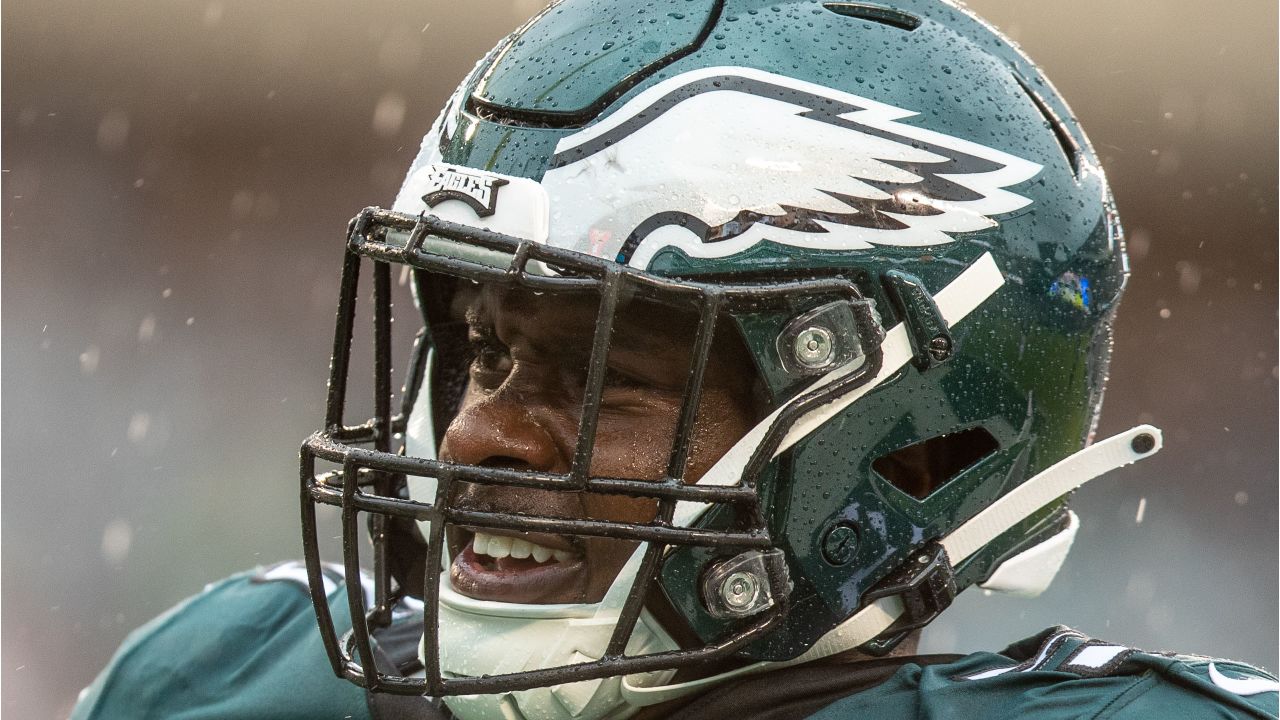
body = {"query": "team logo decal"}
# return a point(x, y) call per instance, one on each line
point(480, 191)
point(696, 163)
point(1248, 685)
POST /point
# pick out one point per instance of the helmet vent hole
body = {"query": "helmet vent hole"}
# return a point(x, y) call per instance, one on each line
point(875, 13)
point(923, 468)
point(1070, 148)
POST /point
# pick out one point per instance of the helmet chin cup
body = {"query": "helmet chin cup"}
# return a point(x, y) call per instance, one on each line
point(481, 637)
point(1028, 573)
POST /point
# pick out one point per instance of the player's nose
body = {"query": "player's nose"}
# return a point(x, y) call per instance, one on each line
point(501, 432)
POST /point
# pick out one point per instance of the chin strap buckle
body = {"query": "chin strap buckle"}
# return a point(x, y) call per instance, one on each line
point(926, 586)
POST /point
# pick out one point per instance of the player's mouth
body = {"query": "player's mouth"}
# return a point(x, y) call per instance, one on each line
point(516, 567)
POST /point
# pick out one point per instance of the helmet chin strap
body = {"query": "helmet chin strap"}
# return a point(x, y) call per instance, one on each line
point(1068, 474)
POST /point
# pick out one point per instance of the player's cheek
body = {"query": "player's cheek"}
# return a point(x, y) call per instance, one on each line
point(724, 417)
point(635, 445)
point(606, 556)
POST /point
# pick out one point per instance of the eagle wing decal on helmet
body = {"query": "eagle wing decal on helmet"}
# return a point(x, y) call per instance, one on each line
point(694, 163)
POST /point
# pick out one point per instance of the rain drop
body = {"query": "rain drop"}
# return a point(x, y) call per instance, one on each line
point(147, 328)
point(113, 130)
point(117, 538)
point(89, 360)
point(139, 424)
point(388, 114)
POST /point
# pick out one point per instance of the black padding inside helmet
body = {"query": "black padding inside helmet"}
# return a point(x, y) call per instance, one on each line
point(448, 335)
point(922, 468)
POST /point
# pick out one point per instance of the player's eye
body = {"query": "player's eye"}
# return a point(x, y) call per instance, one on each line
point(490, 360)
point(615, 378)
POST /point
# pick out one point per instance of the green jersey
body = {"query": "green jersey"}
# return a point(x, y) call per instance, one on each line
point(1055, 675)
point(1063, 674)
point(247, 647)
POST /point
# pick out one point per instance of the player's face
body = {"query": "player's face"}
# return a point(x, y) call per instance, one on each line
point(521, 410)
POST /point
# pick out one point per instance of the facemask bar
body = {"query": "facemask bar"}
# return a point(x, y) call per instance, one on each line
point(380, 469)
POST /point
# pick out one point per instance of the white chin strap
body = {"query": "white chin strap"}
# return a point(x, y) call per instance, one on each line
point(479, 637)
point(999, 517)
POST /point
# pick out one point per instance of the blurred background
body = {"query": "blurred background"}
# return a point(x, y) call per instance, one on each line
point(177, 177)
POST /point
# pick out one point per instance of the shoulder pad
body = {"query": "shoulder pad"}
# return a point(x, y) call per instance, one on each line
point(294, 572)
point(244, 647)
point(1153, 684)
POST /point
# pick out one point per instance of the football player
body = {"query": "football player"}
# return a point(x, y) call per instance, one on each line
point(751, 334)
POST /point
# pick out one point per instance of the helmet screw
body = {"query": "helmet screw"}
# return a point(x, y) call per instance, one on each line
point(1143, 443)
point(940, 348)
point(740, 590)
point(840, 543)
point(814, 347)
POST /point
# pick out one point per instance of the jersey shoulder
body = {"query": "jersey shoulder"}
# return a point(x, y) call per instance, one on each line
point(245, 647)
point(1060, 674)
point(1237, 689)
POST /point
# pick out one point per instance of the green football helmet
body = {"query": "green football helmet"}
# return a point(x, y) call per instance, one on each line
point(886, 206)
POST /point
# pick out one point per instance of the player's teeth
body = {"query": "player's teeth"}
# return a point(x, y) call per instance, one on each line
point(499, 547)
point(520, 549)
